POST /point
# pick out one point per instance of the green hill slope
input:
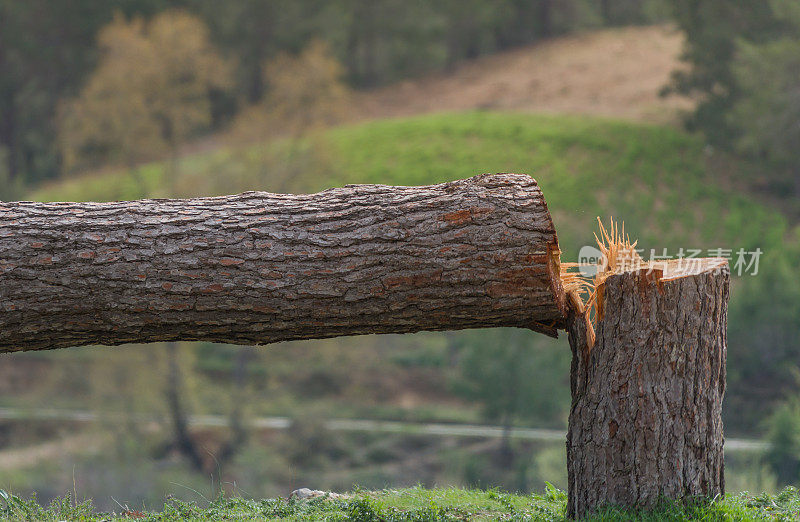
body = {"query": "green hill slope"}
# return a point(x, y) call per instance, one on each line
point(656, 179)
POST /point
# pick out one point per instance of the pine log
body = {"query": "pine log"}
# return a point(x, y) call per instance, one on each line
point(258, 268)
point(645, 421)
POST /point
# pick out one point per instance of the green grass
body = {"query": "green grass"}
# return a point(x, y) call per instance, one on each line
point(414, 504)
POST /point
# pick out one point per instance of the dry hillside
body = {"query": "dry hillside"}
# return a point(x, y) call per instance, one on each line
point(615, 72)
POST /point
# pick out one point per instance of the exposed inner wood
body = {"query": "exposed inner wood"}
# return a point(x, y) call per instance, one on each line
point(585, 293)
point(677, 268)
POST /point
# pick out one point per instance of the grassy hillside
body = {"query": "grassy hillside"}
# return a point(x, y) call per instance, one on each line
point(657, 179)
point(414, 504)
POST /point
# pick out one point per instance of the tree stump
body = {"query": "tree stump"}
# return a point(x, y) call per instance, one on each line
point(645, 421)
point(260, 268)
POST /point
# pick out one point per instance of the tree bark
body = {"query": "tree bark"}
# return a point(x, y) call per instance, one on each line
point(645, 421)
point(259, 268)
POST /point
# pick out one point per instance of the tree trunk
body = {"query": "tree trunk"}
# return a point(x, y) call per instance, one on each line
point(8, 132)
point(259, 268)
point(546, 18)
point(181, 439)
point(605, 12)
point(646, 409)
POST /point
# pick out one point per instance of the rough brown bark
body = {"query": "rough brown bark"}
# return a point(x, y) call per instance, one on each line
point(647, 397)
point(259, 268)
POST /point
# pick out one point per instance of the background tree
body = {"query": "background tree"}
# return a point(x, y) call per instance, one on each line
point(783, 455)
point(629, 12)
point(513, 376)
point(254, 31)
point(149, 93)
point(206, 453)
point(306, 92)
point(248, 28)
point(386, 40)
point(46, 49)
point(763, 331)
point(712, 28)
point(767, 114)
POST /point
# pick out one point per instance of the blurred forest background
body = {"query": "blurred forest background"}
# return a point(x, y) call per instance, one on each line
point(681, 118)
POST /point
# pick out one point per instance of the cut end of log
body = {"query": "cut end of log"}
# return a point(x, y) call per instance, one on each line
point(678, 268)
point(557, 289)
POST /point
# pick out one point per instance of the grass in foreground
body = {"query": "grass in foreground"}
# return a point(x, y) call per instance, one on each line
point(413, 504)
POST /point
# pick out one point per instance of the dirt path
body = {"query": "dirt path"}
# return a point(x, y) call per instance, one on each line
point(29, 456)
point(25, 457)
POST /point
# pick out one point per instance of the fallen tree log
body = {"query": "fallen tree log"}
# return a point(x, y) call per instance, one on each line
point(646, 416)
point(259, 268)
